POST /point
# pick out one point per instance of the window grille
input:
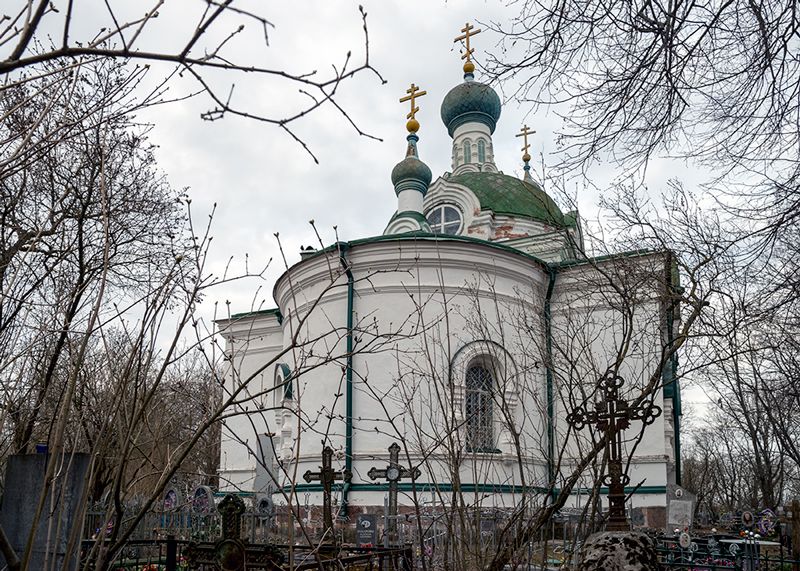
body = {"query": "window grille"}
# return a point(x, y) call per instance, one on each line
point(478, 409)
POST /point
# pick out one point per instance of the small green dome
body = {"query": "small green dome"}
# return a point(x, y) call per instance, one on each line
point(470, 101)
point(411, 168)
point(503, 194)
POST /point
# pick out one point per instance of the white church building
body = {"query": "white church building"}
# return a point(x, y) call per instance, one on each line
point(466, 333)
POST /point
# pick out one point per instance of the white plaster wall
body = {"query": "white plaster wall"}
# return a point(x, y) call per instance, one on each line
point(587, 336)
point(472, 132)
point(431, 298)
point(251, 344)
point(417, 303)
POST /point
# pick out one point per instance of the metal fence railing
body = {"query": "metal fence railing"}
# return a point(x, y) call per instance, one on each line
point(725, 554)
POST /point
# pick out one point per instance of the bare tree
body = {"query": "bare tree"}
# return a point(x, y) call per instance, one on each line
point(202, 43)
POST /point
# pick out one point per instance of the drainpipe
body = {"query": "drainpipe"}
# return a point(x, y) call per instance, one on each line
point(348, 438)
point(548, 333)
point(672, 369)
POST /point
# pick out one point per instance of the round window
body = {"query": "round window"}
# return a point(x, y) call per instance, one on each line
point(445, 219)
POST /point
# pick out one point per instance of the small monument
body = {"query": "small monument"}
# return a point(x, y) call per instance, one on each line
point(680, 508)
point(327, 476)
point(613, 414)
point(394, 472)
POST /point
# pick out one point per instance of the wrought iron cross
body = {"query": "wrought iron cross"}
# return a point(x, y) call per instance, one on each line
point(327, 476)
point(612, 414)
point(231, 552)
point(394, 472)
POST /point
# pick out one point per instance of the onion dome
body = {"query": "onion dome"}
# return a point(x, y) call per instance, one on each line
point(411, 173)
point(470, 102)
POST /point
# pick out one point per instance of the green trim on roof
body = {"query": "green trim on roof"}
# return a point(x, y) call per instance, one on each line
point(426, 237)
point(274, 311)
point(423, 487)
point(416, 216)
point(503, 194)
point(605, 257)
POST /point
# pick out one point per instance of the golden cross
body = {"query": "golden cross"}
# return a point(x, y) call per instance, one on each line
point(468, 32)
point(524, 132)
point(413, 93)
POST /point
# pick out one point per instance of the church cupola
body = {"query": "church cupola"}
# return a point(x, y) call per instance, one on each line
point(410, 177)
point(470, 112)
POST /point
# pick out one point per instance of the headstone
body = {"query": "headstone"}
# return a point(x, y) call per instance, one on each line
point(203, 501)
point(327, 476)
point(23, 486)
point(680, 508)
point(172, 500)
point(619, 551)
point(265, 507)
point(367, 530)
point(264, 482)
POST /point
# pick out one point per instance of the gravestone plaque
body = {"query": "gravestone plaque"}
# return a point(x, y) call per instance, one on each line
point(367, 530)
point(23, 486)
point(680, 508)
point(264, 482)
point(203, 501)
point(172, 500)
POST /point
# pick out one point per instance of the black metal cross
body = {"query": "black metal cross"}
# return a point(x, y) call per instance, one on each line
point(612, 414)
point(231, 552)
point(394, 472)
point(327, 476)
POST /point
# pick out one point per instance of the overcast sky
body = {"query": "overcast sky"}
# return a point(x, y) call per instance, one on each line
point(263, 182)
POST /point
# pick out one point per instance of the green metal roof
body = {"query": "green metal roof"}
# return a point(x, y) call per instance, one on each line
point(503, 194)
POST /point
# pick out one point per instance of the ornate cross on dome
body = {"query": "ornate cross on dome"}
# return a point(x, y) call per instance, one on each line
point(413, 93)
point(524, 132)
point(469, 31)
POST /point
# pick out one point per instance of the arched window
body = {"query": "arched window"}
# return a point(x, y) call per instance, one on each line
point(284, 390)
point(481, 151)
point(479, 409)
point(467, 152)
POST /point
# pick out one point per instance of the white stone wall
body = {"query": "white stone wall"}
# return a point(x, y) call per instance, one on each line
point(620, 322)
point(422, 310)
point(251, 344)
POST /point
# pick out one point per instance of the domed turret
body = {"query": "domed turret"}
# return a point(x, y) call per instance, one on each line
point(411, 172)
point(410, 178)
point(470, 112)
point(470, 102)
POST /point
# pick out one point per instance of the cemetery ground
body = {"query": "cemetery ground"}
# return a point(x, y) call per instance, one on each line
point(206, 529)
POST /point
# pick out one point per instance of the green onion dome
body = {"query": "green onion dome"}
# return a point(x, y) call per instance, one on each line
point(411, 168)
point(411, 173)
point(470, 102)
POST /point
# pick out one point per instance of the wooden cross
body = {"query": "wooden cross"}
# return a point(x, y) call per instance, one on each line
point(413, 93)
point(468, 33)
point(394, 472)
point(327, 476)
point(612, 415)
point(524, 132)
